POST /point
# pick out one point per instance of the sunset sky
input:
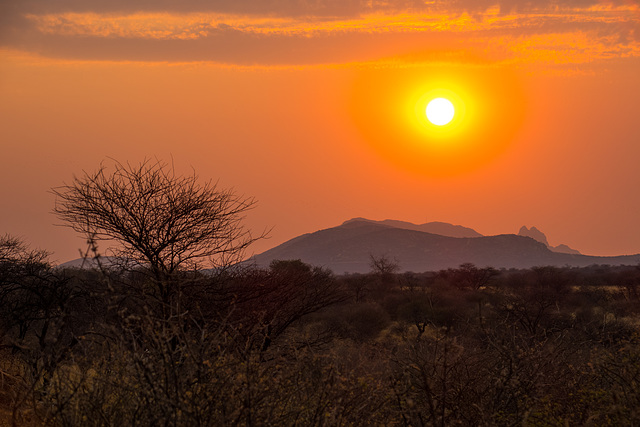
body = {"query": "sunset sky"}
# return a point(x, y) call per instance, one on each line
point(315, 108)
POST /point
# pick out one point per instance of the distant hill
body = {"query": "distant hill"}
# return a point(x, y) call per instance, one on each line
point(534, 233)
point(435, 227)
point(347, 248)
point(88, 262)
point(539, 236)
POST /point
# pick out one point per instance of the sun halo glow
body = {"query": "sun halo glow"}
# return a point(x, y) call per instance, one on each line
point(488, 109)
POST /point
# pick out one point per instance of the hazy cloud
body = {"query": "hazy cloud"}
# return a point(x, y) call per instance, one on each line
point(317, 31)
point(337, 8)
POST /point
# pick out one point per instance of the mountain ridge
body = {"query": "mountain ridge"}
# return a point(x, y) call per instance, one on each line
point(538, 235)
point(348, 247)
point(434, 227)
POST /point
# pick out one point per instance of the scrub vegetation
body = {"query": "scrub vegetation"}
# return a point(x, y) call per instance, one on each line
point(152, 337)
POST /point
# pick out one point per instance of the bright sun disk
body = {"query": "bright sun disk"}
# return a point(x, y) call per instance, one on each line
point(440, 111)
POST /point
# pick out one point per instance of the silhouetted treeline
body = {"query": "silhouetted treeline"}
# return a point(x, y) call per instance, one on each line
point(293, 344)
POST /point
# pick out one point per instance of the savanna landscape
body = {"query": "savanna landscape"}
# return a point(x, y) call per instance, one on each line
point(319, 213)
point(172, 329)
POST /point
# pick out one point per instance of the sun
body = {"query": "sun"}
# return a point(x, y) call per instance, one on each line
point(440, 111)
point(438, 121)
point(440, 114)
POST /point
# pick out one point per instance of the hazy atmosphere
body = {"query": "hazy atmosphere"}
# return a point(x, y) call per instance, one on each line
point(310, 107)
point(319, 213)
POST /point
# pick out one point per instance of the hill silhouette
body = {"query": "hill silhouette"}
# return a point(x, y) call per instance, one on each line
point(538, 235)
point(434, 227)
point(348, 247)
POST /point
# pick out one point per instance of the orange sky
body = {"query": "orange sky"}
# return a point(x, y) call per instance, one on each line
point(311, 108)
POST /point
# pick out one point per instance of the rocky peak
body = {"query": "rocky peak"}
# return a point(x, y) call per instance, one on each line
point(539, 236)
point(534, 233)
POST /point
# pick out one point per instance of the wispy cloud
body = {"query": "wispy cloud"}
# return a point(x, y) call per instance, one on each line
point(244, 32)
point(200, 25)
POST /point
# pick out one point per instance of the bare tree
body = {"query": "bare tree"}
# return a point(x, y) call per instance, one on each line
point(383, 265)
point(160, 221)
point(468, 276)
point(277, 298)
point(38, 327)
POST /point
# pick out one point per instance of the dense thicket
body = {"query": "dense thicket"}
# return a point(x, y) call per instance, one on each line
point(293, 344)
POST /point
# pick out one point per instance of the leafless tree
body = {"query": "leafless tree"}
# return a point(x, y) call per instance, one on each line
point(468, 276)
point(158, 220)
point(37, 326)
point(287, 292)
point(383, 265)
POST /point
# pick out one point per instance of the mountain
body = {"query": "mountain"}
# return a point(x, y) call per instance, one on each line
point(534, 233)
point(347, 248)
point(106, 261)
point(435, 227)
point(539, 236)
point(564, 249)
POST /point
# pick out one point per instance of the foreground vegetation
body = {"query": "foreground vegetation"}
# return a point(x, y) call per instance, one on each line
point(149, 337)
point(292, 344)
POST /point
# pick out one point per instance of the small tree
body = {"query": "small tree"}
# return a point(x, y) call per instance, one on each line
point(160, 221)
point(38, 324)
point(385, 269)
point(468, 276)
point(383, 265)
point(278, 297)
